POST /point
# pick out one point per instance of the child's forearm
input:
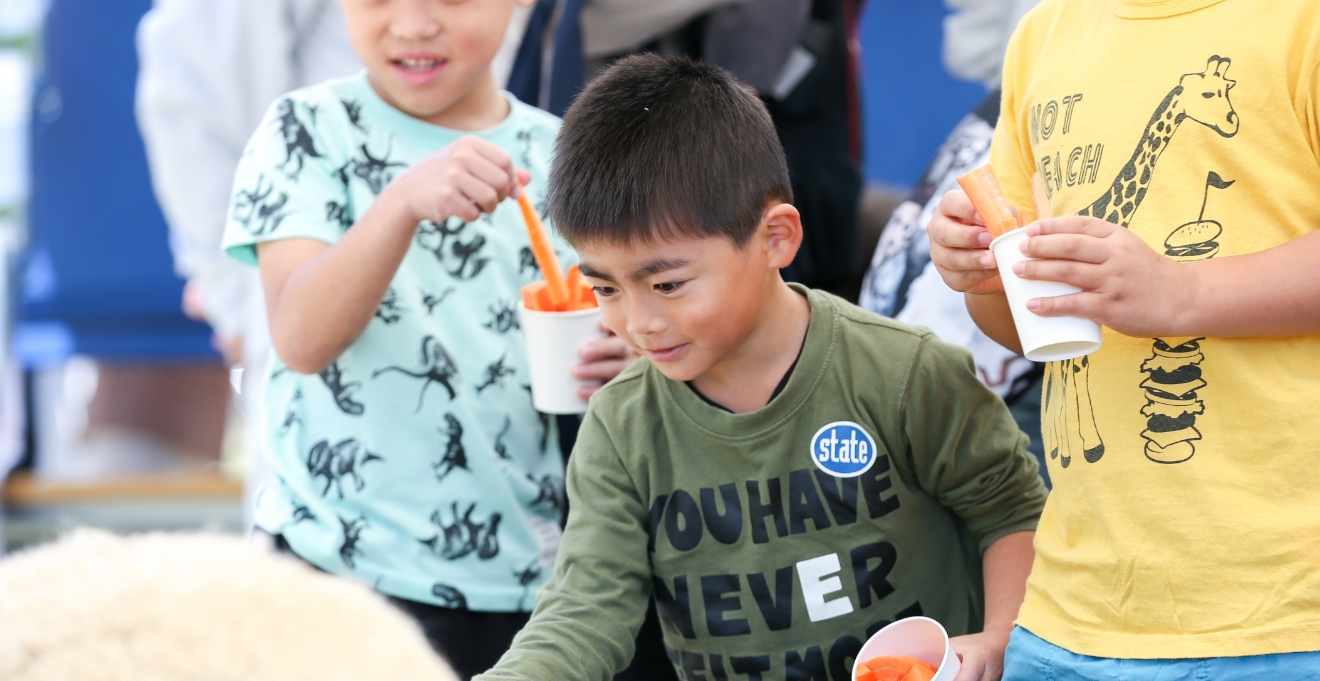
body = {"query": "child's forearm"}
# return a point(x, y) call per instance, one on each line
point(321, 297)
point(991, 314)
point(1006, 565)
point(1275, 292)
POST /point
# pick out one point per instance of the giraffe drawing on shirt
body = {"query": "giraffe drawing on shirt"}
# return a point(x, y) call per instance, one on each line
point(1202, 97)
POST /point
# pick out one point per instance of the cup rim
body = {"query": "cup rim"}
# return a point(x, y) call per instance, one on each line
point(580, 313)
point(1003, 236)
point(857, 661)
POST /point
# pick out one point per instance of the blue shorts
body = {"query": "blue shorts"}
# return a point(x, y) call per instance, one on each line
point(1031, 658)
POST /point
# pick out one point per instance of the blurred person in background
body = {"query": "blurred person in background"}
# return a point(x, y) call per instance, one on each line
point(901, 281)
point(800, 56)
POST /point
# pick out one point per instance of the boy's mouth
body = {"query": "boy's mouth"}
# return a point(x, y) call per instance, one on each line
point(666, 354)
point(417, 71)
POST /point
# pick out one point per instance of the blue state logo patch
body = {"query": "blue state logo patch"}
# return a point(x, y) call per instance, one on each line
point(843, 449)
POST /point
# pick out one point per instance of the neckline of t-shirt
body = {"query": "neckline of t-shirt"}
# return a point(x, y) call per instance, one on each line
point(816, 352)
point(1158, 9)
point(399, 120)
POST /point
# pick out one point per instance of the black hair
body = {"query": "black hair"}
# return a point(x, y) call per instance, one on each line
point(658, 148)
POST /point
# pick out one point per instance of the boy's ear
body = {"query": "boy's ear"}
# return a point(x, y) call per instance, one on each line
point(782, 225)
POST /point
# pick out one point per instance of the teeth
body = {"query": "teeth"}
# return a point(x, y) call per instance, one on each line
point(418, 64)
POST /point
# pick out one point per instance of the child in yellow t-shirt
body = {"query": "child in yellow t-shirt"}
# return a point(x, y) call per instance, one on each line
point(1181, 138)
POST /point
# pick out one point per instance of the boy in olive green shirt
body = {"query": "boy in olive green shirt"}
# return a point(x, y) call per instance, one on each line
point(786, 472)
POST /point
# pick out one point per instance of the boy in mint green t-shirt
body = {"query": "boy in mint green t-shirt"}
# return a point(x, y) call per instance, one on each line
point(399, 418)
point(786, 472)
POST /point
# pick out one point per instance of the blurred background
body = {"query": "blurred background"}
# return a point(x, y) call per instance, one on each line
point(120, 410)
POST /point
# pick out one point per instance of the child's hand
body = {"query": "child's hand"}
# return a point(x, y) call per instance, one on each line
point(603, 359)
point(982, 656)
point(1126, 285)
point(465, 179)
point(959, 246)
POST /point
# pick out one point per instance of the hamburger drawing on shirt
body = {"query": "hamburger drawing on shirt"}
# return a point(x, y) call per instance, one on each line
point(1173, 370)
point(1196, 240)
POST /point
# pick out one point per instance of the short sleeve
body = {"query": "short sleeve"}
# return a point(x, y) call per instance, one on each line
point(967, 451)
point(1010, 151)
point(286, 186)
point(589, 612)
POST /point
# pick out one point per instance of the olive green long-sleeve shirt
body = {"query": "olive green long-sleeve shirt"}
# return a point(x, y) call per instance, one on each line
point(776, 541)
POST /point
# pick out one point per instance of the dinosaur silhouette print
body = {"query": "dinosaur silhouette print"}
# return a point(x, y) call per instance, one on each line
point(500, 449)
point(526, 577)
point(525, 138)
point(449, 596)
point(291, 412)
point(337, 213)
point(348, 548)
point(495, 374)
point(462, 535)
point(1202, 97)
point(437, 367)
point(354, 111)
point(257, 211)
point(527, 262)
point(339, 461)
point(431, 302)
point(333, 378)
point(551, 495)
point(463, 260)
point(389, 310)
point(301, 513)
point(546, 420)
point(298, 143)
point(375, 172)
point(455, 455)
point(503, 317)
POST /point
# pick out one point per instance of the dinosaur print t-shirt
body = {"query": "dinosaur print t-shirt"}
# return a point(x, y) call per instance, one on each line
point(1185, 517)
point(415, 462)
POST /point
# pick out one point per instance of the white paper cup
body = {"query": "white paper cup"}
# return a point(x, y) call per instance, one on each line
point(1044, 339)
point(553, 339)
point(919, 637)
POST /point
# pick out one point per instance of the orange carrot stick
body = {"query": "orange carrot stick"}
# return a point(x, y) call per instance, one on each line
point(1040, 199)
point(983, 189)
point(544, 253)
point(574, 282)
point(1026, 216)
point(529, 294)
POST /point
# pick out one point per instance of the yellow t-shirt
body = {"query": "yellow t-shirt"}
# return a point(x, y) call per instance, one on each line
point(1185, 517)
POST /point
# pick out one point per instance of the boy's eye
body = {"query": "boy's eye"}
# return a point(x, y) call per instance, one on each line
point(668, 287)
point(606, 291)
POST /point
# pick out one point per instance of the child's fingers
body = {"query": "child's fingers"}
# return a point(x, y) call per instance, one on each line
point(1077, 247)
point(524, 178)
point(1084, 304)
point(1072, 224)
point(1085, 276)
point(599, 370)
point(492, 175)
point(955, 204)
point(500, 158)
point(479, 192)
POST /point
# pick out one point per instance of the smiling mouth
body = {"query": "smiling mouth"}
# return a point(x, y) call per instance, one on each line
point(418, 65)
point(665, 354)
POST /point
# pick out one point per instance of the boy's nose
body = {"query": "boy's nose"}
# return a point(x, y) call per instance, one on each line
point(414, 20)
point(644, 320)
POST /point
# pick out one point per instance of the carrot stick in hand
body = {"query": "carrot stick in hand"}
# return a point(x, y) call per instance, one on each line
point(544, 252)
point(983, 189)
point(1040, 199)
